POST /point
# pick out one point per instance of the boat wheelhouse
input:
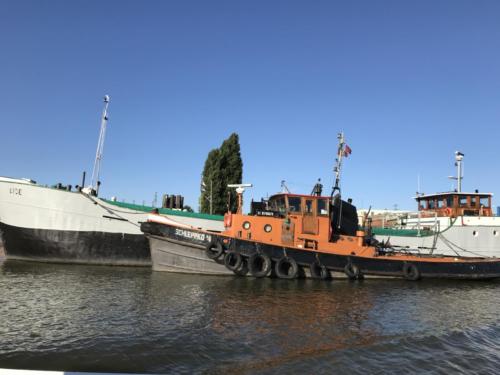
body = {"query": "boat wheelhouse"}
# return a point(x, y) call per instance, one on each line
point(454, 204)
point(311, 220)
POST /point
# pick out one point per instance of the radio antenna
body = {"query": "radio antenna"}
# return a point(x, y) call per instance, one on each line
point(240, 189)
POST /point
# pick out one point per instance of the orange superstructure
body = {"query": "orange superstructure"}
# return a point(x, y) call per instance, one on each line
point(303, 222)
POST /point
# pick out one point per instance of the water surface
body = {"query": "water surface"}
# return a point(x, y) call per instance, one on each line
point(118, 319)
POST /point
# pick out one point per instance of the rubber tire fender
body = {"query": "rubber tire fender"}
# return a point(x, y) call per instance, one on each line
point(214, 249)
point(243, 269)
point(411, 272)
point(318, 271)
point(352, 271)
point(232, 260)
point(293, 271)
point(254, 261)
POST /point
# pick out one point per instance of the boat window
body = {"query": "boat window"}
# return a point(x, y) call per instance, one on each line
point(473, 201)
point(484, 201)
point(462, 201)
point(278, 204)
point(431, 204)
point(449, 202)
point(309, 206)
point(440, 203)
point(294, 204)
point(421, 205)
point(322, 207)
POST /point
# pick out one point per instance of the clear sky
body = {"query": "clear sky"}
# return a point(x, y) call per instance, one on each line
point(409, 82)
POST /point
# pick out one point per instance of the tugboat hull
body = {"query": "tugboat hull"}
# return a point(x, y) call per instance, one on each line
point(172, 255)
point(385, 264)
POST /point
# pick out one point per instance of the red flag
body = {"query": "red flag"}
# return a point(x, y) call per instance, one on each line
point(347, 151)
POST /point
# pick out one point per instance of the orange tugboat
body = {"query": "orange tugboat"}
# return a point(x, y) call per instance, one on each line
point(292, 235)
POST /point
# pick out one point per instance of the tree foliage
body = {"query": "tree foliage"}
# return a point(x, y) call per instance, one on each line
point(223, 166)
point(188, 208)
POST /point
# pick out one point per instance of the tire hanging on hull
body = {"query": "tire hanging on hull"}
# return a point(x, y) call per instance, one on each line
point(243, 269)
point(260, 265)
point(214, 250)
point(411, 272)
point(352, 271)
point(233, 260)
point(319, 272)
point(286, 268)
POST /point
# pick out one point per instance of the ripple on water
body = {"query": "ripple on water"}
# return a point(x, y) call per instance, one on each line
point(82, 318)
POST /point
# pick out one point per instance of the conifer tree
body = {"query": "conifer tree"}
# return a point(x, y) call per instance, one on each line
point(231, 168)
point(222, 167)
point(209, 181)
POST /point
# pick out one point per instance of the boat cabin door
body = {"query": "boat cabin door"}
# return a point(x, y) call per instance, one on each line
point(309, 218)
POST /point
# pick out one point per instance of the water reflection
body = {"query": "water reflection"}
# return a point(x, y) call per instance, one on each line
point(85, 318)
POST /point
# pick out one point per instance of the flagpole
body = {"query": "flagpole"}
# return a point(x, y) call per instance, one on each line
point(338, 167)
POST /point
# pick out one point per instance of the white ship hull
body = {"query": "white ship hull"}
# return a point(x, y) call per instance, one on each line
point(465, 235)
point(45, 224)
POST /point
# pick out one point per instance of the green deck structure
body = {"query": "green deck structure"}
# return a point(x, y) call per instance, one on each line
point(401, 232)
point(164, 211)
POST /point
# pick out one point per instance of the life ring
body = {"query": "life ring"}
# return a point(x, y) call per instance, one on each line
point(286, 268)
point(228, 219)
point(411, 272)
point(447, 211)
point(260, 265)
point(352, 271)
point(318, 271)
point(214, 250)
point(232, 260)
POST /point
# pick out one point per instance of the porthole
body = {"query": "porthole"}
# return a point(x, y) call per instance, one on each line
point(268, 228)
point(495, 233)
point(246, 225)
point(474, 233)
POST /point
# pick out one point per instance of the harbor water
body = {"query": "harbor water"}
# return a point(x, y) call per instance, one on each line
point(118, 319)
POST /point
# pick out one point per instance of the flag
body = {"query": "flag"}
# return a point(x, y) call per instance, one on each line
point(347, 151)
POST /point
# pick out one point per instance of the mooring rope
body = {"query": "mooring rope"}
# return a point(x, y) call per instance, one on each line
point(450, 244)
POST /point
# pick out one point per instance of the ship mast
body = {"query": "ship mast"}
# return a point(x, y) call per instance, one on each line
point(458, 163)
point(100, 147)
point(338, 162)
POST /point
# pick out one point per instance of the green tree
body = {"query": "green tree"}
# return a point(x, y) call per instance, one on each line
point(222, 167)
point(231, 168)
point(209, 180)
point(188, 209)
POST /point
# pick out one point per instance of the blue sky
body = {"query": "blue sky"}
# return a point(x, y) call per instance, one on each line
point(409, 82)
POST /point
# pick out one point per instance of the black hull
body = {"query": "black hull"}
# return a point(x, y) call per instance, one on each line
point(56, 246)
point(379, 266)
